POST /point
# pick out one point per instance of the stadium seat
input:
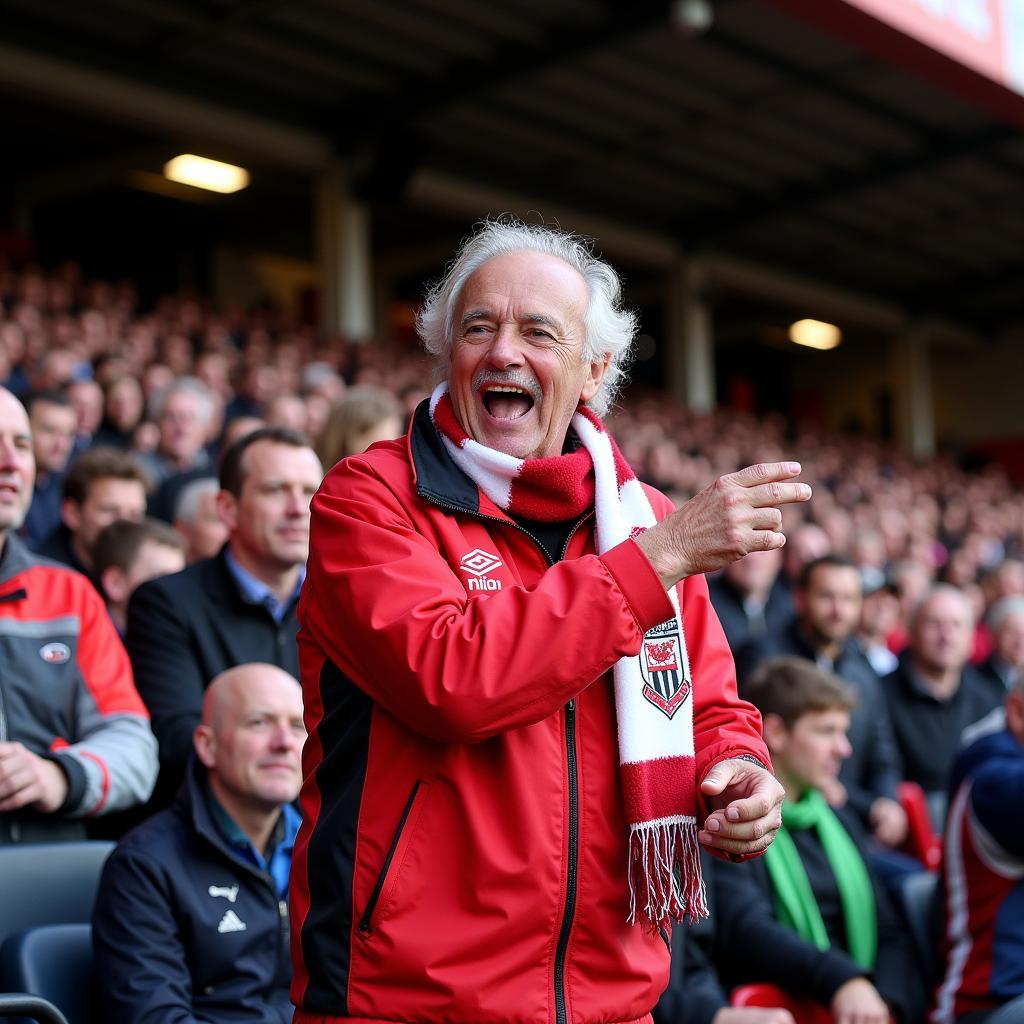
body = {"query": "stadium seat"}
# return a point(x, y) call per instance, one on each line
point(923, 842)
point(55, 963)
point(20, 1004)
point(48, 883)
point(919, 900)
point(805, 1011)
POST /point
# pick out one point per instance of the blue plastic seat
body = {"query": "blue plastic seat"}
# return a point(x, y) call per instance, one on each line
point(55, 963)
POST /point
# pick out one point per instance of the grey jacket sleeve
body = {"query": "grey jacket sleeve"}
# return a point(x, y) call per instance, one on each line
point(111, 760)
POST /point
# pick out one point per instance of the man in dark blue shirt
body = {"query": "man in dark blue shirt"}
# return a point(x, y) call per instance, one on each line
point(191, 919)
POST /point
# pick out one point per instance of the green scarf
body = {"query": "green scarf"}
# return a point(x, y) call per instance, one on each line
point(795, 904)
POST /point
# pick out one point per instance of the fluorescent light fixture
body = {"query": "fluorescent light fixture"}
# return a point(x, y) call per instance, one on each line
point(815, 334)
point(189, 169)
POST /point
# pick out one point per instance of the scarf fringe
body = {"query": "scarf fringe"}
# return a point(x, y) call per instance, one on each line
point(665, 880)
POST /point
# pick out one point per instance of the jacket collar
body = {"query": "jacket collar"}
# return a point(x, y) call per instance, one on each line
point(192, 804)
point(16, 557)
point(438, 479)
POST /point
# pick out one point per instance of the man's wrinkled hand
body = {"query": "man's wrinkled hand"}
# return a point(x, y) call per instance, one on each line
point(746, 803)
point(27, 780)
point(731, 517)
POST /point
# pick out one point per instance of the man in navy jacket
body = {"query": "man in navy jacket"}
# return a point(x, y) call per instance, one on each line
point(191, 919)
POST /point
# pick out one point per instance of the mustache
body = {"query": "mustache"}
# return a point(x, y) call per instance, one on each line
point(516, 378)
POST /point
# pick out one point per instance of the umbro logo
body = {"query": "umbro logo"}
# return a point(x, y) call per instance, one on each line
point(231, 922)
point(478, 563)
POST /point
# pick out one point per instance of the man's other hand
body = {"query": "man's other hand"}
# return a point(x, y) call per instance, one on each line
point(888, 822)
point(735, 515)
point(746, 803)
point(858, 1002)
point(29, 780)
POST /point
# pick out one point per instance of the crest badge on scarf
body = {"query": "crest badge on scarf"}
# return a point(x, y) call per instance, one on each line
point(661, 667)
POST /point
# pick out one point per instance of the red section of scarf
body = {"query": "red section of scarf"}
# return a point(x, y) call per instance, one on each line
point(662, 788)
point(548, 490)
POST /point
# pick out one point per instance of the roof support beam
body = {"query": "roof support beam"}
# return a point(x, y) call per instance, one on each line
point(132, 102)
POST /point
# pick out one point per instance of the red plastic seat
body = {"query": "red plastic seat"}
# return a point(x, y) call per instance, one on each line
point(923, 842)
point(804, 1010)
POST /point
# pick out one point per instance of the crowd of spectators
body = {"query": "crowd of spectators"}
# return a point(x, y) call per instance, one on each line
point(176, 449)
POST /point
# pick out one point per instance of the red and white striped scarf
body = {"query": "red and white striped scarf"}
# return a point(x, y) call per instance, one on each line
point(653, 690)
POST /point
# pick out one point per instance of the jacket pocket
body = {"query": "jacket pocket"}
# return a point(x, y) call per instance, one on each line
point(384, 890)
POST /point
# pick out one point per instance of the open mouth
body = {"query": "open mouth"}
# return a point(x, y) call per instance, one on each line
point(507, 401)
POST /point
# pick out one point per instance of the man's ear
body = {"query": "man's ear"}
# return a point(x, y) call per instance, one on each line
point(775, 732)
point(70, 514)
point(114, 584)
point(206, 746)
point(227, 509)
point(595, 375)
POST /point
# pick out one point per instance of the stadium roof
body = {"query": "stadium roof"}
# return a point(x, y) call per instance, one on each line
point(759, 137)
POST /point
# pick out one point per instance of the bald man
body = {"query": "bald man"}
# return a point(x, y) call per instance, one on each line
point(191, 920)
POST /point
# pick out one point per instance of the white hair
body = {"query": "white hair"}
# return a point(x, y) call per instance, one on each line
point(187, 386)
point(186, 508)
point(609, 329)
point(1003, 609)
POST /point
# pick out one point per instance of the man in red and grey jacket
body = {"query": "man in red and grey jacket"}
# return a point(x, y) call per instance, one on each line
point(74, 735)
point(511, 670)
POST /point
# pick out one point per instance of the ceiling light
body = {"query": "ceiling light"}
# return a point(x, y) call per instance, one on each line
point(815, 334)
point(693, 16)
point(189, 169)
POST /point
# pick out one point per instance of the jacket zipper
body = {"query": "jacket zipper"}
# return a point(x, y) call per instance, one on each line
point(570, 882)
point(371, 904)
point(569, 908)
point(282, 947)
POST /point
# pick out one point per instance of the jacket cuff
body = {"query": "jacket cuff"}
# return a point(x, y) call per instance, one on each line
point(640, 584)
point(77, 781)
point(835, 969)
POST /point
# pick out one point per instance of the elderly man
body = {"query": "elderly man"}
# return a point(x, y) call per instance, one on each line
point(1005, 622)
point(935, 694)
point(237, 606)
point(492, 829)
point(196, 518)
point(183, 413)
point(191, 920)
point(74, 735)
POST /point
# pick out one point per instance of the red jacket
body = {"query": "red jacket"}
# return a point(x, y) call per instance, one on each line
point(463, 851)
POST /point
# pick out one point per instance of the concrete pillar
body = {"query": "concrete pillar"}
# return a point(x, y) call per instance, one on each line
point(916, 413)
point(342, 231)
point(689, 336)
